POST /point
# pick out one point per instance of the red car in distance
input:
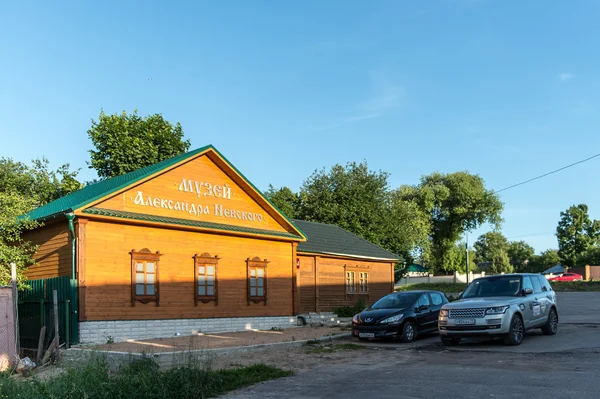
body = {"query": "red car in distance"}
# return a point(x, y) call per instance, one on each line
point(567, 277)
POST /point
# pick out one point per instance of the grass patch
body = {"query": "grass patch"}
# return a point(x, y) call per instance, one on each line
point(575, 286)
point(140, 379)
point(446, 288)
point(321, 349)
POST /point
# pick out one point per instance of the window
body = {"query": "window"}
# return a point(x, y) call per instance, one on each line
point(363, 282)
point(527, 283)
point(544, 283)
point(350, 282)
point(205, 269)
point(144, 276)
point(257, 280)
point(537, 287)
point(423, 301)
point(436, 299)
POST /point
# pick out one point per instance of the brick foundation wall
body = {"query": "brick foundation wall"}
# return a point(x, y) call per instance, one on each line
point(97, 332)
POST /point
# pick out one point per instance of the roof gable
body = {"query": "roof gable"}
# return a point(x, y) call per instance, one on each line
point(333, 240)
point(200, 185)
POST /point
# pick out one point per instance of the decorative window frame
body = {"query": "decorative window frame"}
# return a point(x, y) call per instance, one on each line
point(256, 263)
point(358, 288)
point(145, 255)
point(206, 260)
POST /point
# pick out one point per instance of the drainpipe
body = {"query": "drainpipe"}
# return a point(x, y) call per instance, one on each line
point(71, 217)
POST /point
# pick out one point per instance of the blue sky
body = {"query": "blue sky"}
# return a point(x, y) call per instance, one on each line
point(505, 89)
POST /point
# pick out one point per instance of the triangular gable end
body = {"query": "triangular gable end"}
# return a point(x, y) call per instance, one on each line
point(204, 190)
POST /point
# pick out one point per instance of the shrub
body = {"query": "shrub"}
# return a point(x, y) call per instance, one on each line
point(349, 311)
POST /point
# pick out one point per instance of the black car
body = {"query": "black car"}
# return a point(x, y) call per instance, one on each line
point(401, 315)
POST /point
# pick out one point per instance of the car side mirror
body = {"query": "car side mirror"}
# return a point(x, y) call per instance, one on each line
point(421, 308)
point(527, 291)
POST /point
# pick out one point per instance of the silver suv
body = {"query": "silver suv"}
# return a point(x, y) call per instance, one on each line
point(500, 306)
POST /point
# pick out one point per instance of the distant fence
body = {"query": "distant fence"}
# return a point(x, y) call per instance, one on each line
point(588, 272)
point(455, 278)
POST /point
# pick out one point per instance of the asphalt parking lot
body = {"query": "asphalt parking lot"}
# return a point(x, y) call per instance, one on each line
point(566, 365)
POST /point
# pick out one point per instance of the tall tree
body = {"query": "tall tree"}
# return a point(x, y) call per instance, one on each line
point(489, 244)
point(126, 142)
point(589, 257)
point(544, 261)
point(37, 183)
point(455, 203)
point(576, 233)
point(23, 188)
point(12, 248)
point(359, 200)
point(285, 199)
point(520, 254)
point(500, 262)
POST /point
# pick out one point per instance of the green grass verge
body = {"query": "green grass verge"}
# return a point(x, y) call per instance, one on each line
point(140, 379)
point(576, 286)
point(446, 288)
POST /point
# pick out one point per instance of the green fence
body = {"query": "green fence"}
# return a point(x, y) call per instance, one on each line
point(36, 310)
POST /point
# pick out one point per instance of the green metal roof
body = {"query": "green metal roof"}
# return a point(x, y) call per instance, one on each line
point(96, 191)
point(330, 239)
point(186, 222)
point(101, 189)
point(416, 268)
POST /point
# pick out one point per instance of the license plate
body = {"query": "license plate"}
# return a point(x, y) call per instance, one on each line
point(465, 322)
point(366, 335)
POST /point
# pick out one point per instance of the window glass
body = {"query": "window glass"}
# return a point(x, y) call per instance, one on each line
point(395, 301)
point(423, 300)
point(436, 299)
point(527, 283)
point(493, 286)
point(537, 287)
point(544, 283)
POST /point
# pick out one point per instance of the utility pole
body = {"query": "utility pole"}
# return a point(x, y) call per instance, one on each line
point(467, 251)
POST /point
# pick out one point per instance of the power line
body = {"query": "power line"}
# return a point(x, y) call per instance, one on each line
point(546, 174)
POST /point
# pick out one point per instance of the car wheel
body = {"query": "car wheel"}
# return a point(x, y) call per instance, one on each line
point(409, 331)
point(447, 341)
point(516, 332)
point(551, 326)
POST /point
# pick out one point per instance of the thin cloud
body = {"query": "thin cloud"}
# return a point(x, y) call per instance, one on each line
point(385, 96)
point(565, 76)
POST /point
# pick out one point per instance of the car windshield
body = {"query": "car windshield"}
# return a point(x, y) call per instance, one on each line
point(395, 301)
point(493, 286)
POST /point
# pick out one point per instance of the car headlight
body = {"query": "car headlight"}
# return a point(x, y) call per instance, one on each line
point(393, 319)
point(444, 313)
point(497, 310)
point(355, 319)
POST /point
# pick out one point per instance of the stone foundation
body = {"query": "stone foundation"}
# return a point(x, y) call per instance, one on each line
point(98, 332)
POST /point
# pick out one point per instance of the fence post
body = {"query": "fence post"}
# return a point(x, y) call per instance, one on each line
point(56, 337)
point(482, 274)
point(15, 293)
point(67, 324)
point(455, 277)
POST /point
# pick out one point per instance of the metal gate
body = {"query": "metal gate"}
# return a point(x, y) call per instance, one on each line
point(36, 310)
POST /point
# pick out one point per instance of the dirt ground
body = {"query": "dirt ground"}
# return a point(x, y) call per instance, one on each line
point(301, 359)
point(220, 340)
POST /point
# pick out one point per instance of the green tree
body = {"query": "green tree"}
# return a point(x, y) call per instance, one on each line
point(455, 203)
point(124, 143)
point(360, 201)
point(489, 244)
point(589, 257)
point(541, 262)
point(500, 262)
point(23, 188)
point(519, 254)
point(576, 233)
point(37, 182)
point(12, 248)
point(285, 199)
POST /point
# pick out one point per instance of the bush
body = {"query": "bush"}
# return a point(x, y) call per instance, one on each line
point(350, 311)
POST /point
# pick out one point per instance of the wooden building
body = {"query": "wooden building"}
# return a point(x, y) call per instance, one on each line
point(189, 245)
